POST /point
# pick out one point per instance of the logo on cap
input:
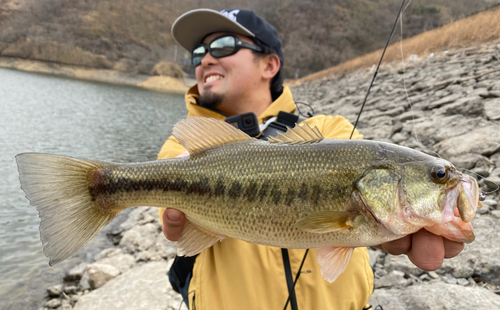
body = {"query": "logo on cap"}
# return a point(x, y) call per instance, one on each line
point(231, 14)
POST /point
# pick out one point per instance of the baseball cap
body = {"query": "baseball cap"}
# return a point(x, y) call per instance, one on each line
point(193, 26)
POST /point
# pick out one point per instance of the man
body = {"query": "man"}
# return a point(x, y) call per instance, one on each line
point(238, 59)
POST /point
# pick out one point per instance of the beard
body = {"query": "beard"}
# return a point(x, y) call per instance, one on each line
point(210, 99)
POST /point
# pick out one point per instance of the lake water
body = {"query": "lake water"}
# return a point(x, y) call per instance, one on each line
point(40, 113)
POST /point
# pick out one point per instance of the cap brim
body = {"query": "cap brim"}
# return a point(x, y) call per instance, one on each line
point(191, 27)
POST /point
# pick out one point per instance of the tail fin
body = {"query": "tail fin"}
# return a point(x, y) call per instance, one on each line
point(59, 187)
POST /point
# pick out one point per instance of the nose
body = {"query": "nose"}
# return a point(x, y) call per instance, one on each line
point(207, 60)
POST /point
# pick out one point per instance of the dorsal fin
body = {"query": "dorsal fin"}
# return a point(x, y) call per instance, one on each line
point(298, 135)
point(200, 133)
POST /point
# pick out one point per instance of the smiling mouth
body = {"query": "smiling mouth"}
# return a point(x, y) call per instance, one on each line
point(213, 78)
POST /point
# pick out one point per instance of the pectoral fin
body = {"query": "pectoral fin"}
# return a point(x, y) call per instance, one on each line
point(326, 221)
point(333, 261)
point(194, 240)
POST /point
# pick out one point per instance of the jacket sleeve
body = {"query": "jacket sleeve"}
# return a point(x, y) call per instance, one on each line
point(333, 127)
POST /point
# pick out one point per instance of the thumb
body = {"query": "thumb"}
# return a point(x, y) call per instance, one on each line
point(173, 224)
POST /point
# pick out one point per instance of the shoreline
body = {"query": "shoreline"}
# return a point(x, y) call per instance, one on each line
point(155, 83)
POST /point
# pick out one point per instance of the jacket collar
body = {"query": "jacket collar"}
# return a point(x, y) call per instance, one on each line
point(283, 103)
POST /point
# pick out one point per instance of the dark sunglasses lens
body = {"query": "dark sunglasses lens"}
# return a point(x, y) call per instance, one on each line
point(198, 54)
point(222, 47)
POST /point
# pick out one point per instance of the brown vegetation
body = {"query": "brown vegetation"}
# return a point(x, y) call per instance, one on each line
point(164, 68)
point(477, 29)
point(134, 36)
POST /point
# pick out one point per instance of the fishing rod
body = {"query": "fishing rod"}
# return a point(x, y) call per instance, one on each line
point(354, 128)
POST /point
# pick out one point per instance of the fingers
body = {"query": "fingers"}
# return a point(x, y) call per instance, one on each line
point(173, 224)
point(426, 250)
point(452, 248)
point(398, 247)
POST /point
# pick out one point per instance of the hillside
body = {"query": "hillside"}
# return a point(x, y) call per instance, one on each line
point(133, 36)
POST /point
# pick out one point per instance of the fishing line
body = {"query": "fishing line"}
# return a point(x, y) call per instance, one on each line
point(478, 176)
point(355, 125)
point(404, 74)
point(378, 66)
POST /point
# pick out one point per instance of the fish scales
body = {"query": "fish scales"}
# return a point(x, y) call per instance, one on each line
point(253, 191)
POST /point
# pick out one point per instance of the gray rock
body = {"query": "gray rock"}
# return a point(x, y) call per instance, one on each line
point(484, 141)
point(76, 272)
point(393, 279)
point(118, 259)
point(485, 209)
point(433, 274)
point(469, 160)
point(139, 238)
point(449, 279)
point(443, 101)
point(143, 287)
point(472, 106)
point(401, 263)
point(492, 109)
point(99, 274)
point(436, 296)
point(463, 282)
point(53, 303)
point(54, 290)
point(84, 281)
point(66, 304)
point(70, 289)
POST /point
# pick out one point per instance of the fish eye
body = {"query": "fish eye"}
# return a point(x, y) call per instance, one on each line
point(439, 173)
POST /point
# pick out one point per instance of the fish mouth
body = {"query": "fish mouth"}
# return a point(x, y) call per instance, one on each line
point(468, 198)
point(460, 205)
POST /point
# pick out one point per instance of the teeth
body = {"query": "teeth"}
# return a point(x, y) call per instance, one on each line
point(213, 78)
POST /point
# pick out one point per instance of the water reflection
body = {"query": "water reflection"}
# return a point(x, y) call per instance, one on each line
point(41, 113)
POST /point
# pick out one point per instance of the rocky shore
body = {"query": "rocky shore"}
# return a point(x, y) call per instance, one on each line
point(446, 103)
point(157, 83)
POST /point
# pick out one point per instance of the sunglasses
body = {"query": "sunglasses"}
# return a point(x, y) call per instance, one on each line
point(223, 46)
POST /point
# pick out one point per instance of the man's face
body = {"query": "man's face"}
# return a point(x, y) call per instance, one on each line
point(223, 81)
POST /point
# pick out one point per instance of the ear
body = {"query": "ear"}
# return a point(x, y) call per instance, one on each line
point(271, 65)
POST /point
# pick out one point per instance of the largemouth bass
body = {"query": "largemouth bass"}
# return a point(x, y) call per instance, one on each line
point(298, 190)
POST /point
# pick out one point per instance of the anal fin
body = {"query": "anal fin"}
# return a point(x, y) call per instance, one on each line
point(333, 261)
point(326, 221)
point(194, 240)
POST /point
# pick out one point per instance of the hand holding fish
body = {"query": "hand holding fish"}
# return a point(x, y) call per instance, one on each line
point(424, 249)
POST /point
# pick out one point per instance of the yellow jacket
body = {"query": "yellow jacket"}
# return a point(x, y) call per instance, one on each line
point(236, 275)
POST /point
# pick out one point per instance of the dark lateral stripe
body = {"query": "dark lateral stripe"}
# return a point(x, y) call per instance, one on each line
point(235, 190)
point(316, 193)
point(105, 184)
point(290, 196)
point(264, 189)
point(304, 191)
point(201, 187)
point(251, 191)
point(276, 194)
point(220, 188)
